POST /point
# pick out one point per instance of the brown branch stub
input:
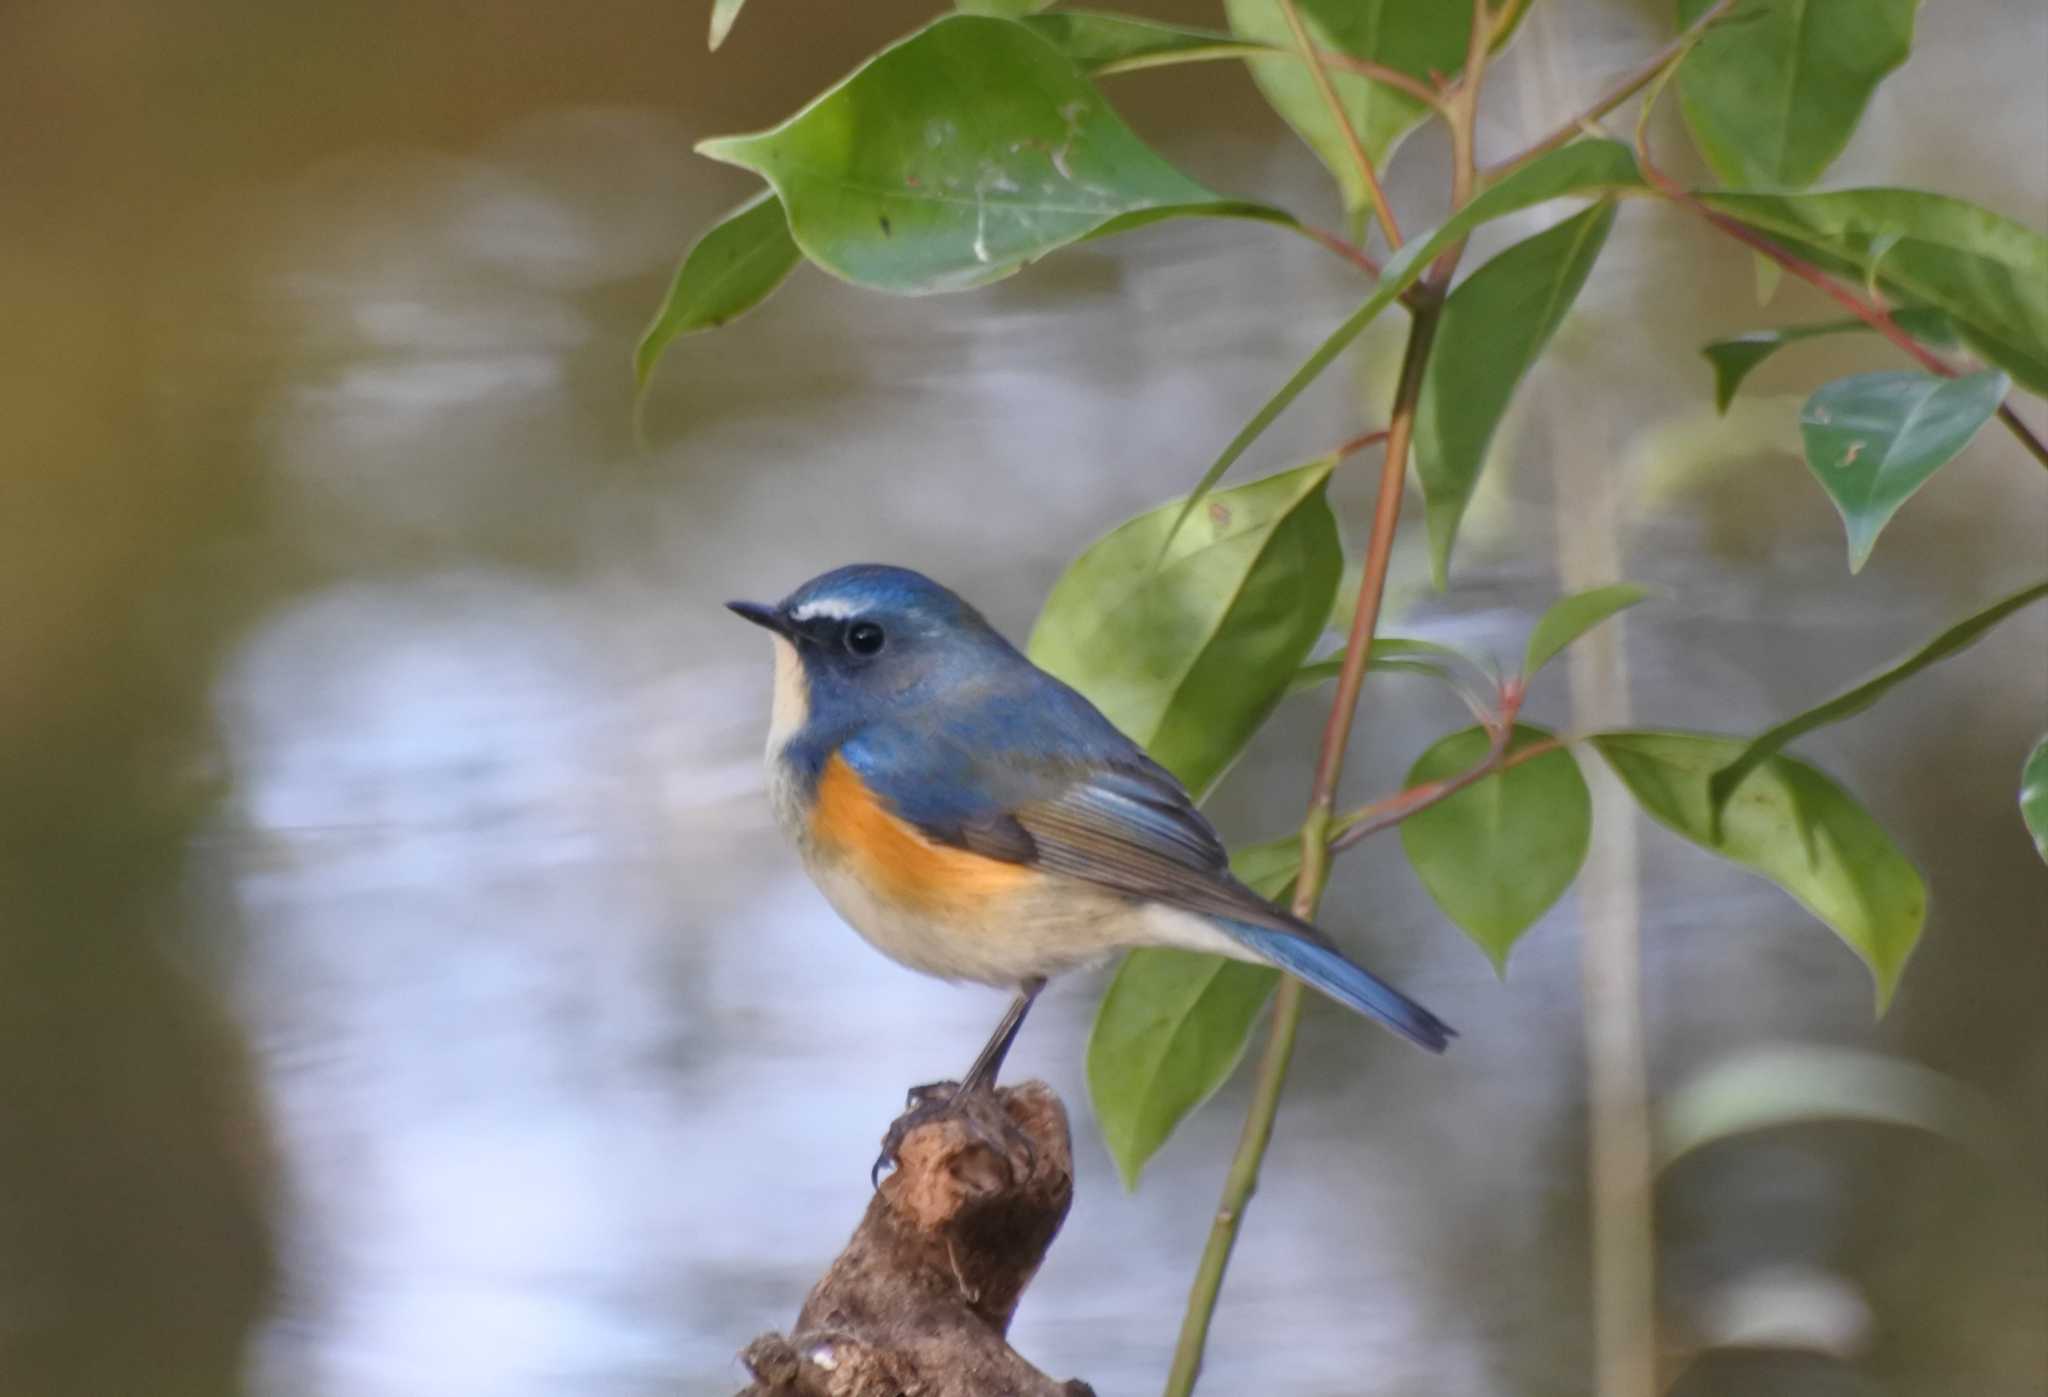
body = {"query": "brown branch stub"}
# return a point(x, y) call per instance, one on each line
point(918, 1303)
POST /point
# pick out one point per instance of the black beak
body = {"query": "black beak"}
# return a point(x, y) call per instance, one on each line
point(769, 617)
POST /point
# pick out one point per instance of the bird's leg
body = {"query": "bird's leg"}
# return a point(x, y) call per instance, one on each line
point(936, 1099)
point(982, 1075)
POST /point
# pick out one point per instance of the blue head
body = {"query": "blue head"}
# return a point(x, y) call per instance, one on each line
point(868, 641)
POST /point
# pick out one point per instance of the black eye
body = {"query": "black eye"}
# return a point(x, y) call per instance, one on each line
point(864, 637)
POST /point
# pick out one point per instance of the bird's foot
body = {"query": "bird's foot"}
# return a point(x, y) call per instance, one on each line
point(979, 1110)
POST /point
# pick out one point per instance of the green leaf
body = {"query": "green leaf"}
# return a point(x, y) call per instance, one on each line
point(1390, 654)
point(1957, 638)
point(1001, 9)
point(1189, 656)
point(723, 13)
point(2034, 796)
point(731, 269)
point(1173, 1025)
point(1497, 854)
point(1493, 329)
point(1989, 273)
point(1583, 167)
point(1736, 356)
point(1416, 37)
point(1171, 1029)
point(1768, 1088)
point(1794, 826)
point(1874, 439)
point(1773, 99)
point(1571, 617)
point(1109, 43)
point(956, 156)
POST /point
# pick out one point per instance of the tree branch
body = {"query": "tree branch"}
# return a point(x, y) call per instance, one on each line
point(922, 1296)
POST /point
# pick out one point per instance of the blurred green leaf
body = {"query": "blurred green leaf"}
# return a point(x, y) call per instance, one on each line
point(1001, 9)
point(1874, 439)
point(956, 156)
point(723, 13)
point(1989, 273)
point(1571, 617)
point(1497, 854)
point(2034, 796)
point(1416, 37)
point(1767, 1088)
point(1794, 826)
point(1583, 167)
point(733, 267)
point(1493, 329)
point(1101, 42)
point(1187, 653)
point(1734, 357)
point(1773, 99)
point(1957, 638)
point(1173, 1025)
point(1390, 654)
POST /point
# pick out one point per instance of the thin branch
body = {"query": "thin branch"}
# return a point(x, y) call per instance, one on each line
point(1351, 252)
point(1872, 312)
point(1368, 820)
point(1381, 209)
point(1381, 73)
point(1616, 92)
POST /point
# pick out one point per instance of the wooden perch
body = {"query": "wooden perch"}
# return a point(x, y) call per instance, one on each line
point(919, 1302)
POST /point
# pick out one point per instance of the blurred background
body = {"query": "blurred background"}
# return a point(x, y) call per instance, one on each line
point(402, 987)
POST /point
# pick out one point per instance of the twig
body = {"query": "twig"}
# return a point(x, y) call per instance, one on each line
point(1369, 820)
point(1864, 308)
point(1317, 75)
point(1616, 92)
point(1381, 73)
point(1351, 252)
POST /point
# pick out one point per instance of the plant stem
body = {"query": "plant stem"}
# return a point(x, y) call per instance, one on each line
point(1616, 92)
point(1382, 814)
point(1872, 312)
point(1321, 79)
point(1243, 1179)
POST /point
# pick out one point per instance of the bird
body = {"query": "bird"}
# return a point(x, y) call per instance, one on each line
point(977, 819)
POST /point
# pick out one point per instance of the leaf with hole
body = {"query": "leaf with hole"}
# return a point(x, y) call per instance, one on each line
point(1492, 331)
point(1987, 272)
point(1791, 824)
point(1189, 656)
point(1771, 100)
point(1874, 439)
point(1957, 638)
point(1583, 167)
point(1735, 357)
point(734, 267)
point(1497, 854)
point(2034, 796)
point(1570, 617)
point(956, 156)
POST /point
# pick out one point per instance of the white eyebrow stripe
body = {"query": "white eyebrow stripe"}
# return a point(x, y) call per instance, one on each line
point(837, 608)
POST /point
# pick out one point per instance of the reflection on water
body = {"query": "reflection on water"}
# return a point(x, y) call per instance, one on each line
point(569, 1078)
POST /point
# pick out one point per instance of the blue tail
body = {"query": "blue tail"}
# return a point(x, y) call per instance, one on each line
point(1348, 984)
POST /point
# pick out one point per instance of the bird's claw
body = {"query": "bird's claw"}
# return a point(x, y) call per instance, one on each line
point(940, 1100)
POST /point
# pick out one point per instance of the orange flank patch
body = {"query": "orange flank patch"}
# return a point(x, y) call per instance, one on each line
point(895, 861)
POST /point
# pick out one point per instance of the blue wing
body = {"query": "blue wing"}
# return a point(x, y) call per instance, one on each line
point(1092, 806)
